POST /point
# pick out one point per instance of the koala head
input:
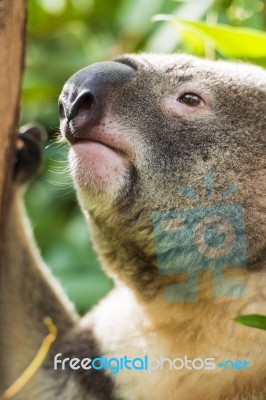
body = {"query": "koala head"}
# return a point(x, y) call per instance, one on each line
point(144, 127)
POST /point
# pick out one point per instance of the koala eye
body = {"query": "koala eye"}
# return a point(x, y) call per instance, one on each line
point(191, 100)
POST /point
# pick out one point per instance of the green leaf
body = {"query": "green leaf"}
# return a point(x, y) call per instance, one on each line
point(165, 39)
point(253, 320)
point(231, 41)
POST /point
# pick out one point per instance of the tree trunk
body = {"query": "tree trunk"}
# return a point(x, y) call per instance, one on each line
point(12, 41)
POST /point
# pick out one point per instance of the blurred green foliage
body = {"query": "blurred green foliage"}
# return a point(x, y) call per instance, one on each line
point(66, 35)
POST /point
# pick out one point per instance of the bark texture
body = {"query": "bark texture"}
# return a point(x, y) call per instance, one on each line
point(12, 42)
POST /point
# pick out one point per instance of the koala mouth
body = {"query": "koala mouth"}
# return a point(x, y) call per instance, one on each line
point(99, 143)
point(97, 150)
point(99, 156)
point(97, 164)
point(97, 138)
point(104, 132)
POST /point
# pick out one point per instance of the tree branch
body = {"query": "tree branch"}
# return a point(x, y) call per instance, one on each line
point(12, 43)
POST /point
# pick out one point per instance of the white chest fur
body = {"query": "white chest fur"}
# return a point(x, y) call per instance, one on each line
point(123, 329)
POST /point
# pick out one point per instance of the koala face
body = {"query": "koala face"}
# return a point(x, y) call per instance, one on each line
point(144, 126)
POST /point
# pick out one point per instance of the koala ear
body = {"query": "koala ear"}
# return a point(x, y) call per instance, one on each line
point(28, 156)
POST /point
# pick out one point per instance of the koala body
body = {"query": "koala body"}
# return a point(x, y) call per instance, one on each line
point(144, 131)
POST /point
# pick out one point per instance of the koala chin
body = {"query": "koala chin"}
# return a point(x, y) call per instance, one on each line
point(167, 155)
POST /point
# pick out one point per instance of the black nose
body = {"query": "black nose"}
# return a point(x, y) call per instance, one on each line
point(89, 88)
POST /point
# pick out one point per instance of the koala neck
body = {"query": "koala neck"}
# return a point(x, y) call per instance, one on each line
point(132, 266)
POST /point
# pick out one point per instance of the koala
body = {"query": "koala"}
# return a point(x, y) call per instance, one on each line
point(147, 133)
